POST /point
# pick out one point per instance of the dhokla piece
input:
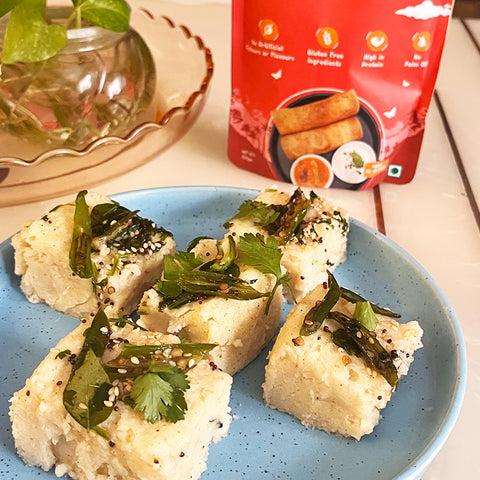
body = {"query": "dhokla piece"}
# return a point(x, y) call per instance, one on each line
point(116, 257)
point(312, 233)
point(240, 328)
point(330, 387)
point(128, 447)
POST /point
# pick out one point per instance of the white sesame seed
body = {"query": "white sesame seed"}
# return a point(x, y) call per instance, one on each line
point(116, 391)
point(108, 403)
point(135, 360)
point(191, 362)
point(104, 329)
point(122, 370)
point(82, 406)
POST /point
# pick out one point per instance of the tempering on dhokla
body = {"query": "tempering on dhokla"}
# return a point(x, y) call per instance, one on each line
point(336, 362)
point(88, 254)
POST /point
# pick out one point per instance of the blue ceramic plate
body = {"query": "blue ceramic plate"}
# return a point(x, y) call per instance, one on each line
point(263, 443)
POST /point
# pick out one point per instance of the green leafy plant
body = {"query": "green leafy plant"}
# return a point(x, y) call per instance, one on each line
point(30, 37)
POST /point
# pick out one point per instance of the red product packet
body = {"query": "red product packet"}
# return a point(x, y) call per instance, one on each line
point(333, 94)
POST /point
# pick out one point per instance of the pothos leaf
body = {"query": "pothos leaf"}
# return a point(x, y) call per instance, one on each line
point(7, 5)
point(316, 315)
point(265, 256)
point(28, 37)
point(110, 14)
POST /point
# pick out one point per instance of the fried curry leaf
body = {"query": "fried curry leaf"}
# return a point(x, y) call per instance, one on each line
point(367, 347)
point(81, 245)
point(288, 223)
point(318, 313)
point(124, 229)
point(86, 392)
point(87, 388)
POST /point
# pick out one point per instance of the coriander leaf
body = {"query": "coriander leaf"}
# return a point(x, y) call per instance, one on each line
point(265, 257)
point(160, 394)
point(81, 245)
point(357, 159)
point(365, 316)
point(182, 262)
point(28, 36)
point(86, 392)
point(110, 14)
point(64, 353)
point(261, 213)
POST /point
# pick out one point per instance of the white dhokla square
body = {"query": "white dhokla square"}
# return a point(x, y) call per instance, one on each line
point(324, 386)
point(46, 435)
point(126, 255)
point(312, 233)
point(240, 328)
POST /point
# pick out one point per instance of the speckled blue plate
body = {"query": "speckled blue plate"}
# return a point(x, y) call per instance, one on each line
point(263, 443)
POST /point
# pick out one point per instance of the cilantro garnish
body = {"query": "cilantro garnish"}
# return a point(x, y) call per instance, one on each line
point(64, 353)
point(158, 387)
point(265, 256)
point(159, 393)
point(262, 213)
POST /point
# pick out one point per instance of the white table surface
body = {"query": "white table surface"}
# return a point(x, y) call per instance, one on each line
point(435, 217)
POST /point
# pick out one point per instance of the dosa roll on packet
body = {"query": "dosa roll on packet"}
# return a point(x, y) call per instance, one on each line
point(333, 93)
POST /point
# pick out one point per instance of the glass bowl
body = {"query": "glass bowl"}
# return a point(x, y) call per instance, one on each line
point(184, 68)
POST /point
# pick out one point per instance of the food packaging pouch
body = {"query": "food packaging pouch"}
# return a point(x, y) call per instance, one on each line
point(333, 93)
